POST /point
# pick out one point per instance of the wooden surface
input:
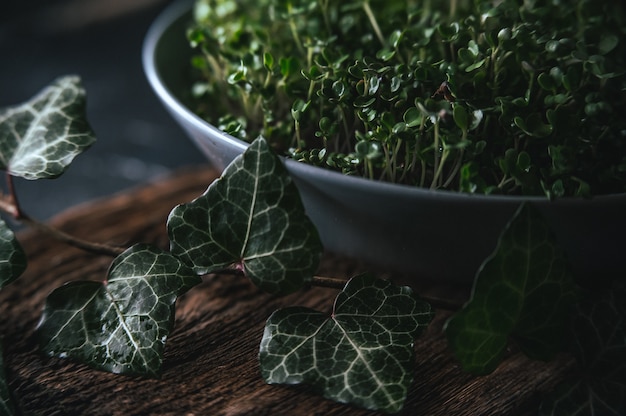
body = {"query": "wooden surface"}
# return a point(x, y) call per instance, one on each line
point(210, 364)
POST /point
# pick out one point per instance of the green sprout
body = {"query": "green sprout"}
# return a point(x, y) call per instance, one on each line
point(509, 97)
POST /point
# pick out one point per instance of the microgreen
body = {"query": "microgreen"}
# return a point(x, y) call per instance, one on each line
point(505, 97)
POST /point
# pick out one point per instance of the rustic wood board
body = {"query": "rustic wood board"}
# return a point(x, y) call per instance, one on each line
point(210, 365)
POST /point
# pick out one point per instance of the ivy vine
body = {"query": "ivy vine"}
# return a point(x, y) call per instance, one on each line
point(251, 223)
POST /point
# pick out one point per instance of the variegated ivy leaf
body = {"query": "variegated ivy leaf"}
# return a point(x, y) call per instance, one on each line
point(524, 290)
point(362, 354)
point(6, 405)
point(599, 330)
point(252, 218)
point(12, 257)
point(120, 326)
point(41, 137)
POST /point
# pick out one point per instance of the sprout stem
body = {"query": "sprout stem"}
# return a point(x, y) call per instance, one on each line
point(436, 156)
point(294, 30)
point(373, 22)
point(324, 6)
point(457, 165)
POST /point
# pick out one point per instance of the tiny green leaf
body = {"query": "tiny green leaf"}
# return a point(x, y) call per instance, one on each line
point(448, 31)
point(368, 149)
point(523, 161)
point(523, 290)
point(608, 43)
point(298, 108)
point(268, 61)
point(533, 125)
point(251, 217)
point(288, 66)
point(6, 405)
point(395, 37)
point(120, 326)
point(12, 257)
point(546, 82)
point(362, 354)
point(412, 117)
point(475, 65)
point(461, 117)
point(466, 55)
point(41, 137)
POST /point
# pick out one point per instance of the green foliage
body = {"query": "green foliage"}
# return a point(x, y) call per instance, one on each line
point(440, 92)
point(12, 257)
point(361, 354)
point(41, 137)
point(119, 326)
point(252, 218)
point(599, 345)
point(524, 290)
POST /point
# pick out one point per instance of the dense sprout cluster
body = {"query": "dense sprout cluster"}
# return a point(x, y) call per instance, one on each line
point(509, 97)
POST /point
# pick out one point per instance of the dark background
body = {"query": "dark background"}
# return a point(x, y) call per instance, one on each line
point(101, 41)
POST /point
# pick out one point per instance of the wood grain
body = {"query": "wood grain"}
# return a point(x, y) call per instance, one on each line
point(210, 365)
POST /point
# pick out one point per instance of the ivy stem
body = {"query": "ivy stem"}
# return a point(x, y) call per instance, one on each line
point(9, 204)
point(339, 283)
point(13, 202)
point(71, 240)
point(329, 282)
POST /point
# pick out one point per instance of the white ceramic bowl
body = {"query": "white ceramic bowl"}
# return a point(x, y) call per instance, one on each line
point(438, 235)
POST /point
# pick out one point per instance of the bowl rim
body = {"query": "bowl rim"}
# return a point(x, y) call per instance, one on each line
point(170, 14)
point(152, 38)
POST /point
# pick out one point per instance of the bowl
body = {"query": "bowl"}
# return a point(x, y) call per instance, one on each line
point(425, 234)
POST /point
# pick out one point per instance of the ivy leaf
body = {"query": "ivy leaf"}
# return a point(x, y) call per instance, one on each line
point(599, 330)
point(251, 217)
point(120, 326)
point(583, 398)
point(362, 354)
point(6, 405)
point(12, 257)
point(524, 290)
point(41, 137)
